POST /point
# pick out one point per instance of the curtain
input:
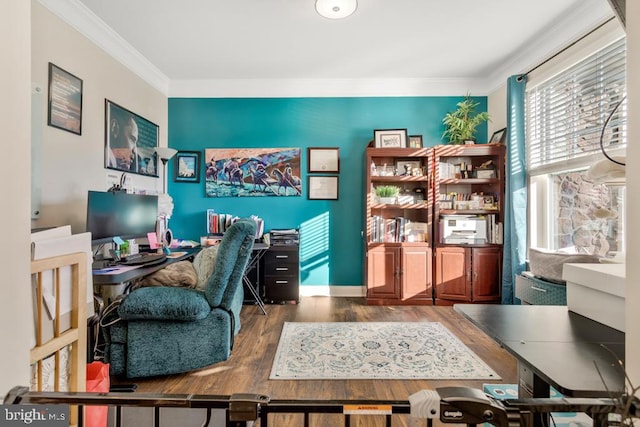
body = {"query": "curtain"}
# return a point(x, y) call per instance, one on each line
point(515, 216)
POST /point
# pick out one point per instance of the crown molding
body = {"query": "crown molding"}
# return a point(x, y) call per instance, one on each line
point(80, 17)
point(318, 88)
point(582, 18)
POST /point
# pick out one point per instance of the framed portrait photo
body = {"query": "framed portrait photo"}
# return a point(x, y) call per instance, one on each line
point(65, 100)
point(323, 160)
point(390, 138)
point(499, 136)
point(130, 141)
point(415, 141)
point(323, 188)
point(409, 167)
point(186, 166)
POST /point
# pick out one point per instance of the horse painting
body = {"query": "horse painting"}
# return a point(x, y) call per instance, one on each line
point(286, 180)
point(257, 172)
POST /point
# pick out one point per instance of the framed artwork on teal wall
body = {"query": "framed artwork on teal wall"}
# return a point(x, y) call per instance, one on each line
point(323, 159)
point(186, 166)
point(323, 188)
point(390, 138)
point(242, 172)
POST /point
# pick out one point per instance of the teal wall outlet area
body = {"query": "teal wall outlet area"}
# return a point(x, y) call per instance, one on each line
point(331, 242)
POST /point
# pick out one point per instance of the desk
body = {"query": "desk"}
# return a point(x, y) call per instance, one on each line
point(259, 249)
point(554, 347)
point(110, 285)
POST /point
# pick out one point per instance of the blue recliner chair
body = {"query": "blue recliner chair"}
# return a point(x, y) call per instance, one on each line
point(169, 330)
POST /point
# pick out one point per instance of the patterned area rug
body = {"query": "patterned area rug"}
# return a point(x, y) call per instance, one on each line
point(374, 350)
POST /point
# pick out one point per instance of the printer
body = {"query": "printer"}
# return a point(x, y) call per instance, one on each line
point(463, 229)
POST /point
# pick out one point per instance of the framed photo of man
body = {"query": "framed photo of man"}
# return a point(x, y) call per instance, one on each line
point(130, 141)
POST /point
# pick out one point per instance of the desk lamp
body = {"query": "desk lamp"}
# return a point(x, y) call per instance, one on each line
point(165, 202)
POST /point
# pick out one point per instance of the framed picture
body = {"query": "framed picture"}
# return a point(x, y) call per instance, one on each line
point(65, 100)
point(186, 166)
point(130, 141)
point(252, 172)
point(323, 187)
point(323, 160)
point(409, 167)
point(415, 141)
point(390, 138)
point(499, 136)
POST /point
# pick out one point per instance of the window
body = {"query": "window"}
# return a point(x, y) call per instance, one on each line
point(565, 117)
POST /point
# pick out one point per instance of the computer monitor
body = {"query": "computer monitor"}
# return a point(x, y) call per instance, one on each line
point(118, 214)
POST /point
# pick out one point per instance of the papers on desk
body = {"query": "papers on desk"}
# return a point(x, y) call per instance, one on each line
point(116, 269)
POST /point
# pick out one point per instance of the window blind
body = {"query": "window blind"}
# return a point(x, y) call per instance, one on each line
point(566, 113)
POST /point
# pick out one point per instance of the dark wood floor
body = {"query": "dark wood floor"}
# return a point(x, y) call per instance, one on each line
point(248, 369)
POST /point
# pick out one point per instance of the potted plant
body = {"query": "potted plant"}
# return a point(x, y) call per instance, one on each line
point(460, 125)
point(387, 193)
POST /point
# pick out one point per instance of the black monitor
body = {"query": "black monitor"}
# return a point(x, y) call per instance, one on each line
point(118, 214)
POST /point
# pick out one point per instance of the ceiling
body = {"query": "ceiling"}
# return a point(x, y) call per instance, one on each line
point(419, 45)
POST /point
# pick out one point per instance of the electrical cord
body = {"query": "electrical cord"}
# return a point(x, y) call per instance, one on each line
point(604, 128)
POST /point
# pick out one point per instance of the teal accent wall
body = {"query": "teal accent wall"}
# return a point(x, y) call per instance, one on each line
point(331, 251)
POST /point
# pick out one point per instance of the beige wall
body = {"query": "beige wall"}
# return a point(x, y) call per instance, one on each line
point(15, 35)
point(633, 187)
point(72, 164)
point(497, 108)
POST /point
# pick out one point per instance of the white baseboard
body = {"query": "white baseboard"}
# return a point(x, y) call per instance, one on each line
point(333, 291)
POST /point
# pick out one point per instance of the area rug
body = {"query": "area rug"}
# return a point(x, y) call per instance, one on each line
point(374, 350)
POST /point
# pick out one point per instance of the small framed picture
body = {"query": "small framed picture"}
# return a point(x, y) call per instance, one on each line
point(415, 141)
point(409, 167)
point(323, 187)
point(323, 160)
point(65, 100)
point(499, 136)
point(186, 166)
point(390, 138)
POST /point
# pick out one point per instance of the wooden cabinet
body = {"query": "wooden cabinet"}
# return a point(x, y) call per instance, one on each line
point(397, 269)
point(467, 274)
point(450, 208)
point(400, 274)
point(468, 216)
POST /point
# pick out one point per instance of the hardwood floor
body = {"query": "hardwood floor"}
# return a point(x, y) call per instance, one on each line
point(248, 369)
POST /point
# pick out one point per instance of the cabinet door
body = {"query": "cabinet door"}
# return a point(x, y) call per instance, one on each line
point(486, 274)
point(452, 273)
point(383, 269)
point(416, 274)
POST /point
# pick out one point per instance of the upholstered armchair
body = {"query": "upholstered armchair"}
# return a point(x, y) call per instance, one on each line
point(168, 330)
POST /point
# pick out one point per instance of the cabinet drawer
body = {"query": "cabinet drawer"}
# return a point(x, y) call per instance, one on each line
point(280, 257)
point(280, 289)
point(282, 269)
point(540, 292)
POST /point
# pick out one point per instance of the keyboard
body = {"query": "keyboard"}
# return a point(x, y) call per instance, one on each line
point(143, 259)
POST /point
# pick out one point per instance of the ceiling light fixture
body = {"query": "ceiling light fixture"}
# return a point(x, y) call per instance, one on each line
point(336, 9)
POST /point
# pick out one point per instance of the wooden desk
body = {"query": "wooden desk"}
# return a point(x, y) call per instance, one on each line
point(554, 347)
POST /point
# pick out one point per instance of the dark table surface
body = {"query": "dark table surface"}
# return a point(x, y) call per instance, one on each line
point(563, 348)
point(143, 270)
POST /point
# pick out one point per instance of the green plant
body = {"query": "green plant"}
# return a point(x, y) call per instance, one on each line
point(387, 190)
point(461, 124)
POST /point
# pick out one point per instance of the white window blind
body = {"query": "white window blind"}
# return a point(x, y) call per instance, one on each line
point(566, 114)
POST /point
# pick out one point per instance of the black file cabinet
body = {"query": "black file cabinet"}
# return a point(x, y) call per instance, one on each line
point(281, 274)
